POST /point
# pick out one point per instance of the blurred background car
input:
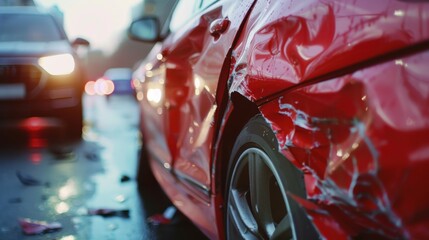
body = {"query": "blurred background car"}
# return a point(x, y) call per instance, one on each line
point(40, 73)
point(121, 78)
point(289, 119)
point(114, 81)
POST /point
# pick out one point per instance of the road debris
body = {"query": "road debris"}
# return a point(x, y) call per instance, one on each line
point(165, 218)
point(33, 227)
point(108, 212)
point(28, 180)
point(121, 198)
point(125, 178)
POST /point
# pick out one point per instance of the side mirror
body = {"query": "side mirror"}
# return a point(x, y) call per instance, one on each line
point(145, 29)
point(80, 42)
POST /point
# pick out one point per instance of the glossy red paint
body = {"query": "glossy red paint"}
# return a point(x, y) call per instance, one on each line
point(343, 85)
point(357, 137)
point(345, 134)
point(178, 128)
point(290, 42)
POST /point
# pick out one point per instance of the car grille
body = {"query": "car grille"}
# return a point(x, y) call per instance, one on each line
point(29, 75)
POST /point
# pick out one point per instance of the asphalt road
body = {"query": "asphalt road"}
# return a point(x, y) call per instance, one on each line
point(46, 177)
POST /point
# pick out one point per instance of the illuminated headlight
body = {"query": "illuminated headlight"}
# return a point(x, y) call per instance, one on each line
point(61, 64)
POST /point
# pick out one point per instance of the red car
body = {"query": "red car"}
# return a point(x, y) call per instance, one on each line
point(290, 119)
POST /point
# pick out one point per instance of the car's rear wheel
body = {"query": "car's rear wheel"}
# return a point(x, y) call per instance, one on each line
point(259, 179)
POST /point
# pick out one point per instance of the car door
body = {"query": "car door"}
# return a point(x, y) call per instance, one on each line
point(192, 60)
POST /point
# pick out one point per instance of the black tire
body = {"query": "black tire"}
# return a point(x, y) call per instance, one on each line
point(145, 178)
point(73, 121)
point(259, 177)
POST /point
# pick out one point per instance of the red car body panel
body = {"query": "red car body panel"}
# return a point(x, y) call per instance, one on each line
point(179, 132)
point(291, 42)
point(345, 136)
point(343, 86)
point(344, 132)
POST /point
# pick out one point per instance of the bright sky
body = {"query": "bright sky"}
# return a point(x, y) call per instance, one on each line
point(99, 21)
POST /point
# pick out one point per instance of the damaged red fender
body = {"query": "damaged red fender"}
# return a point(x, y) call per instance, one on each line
point(344, 86)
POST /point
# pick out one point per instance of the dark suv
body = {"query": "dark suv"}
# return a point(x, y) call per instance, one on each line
point(40, 75)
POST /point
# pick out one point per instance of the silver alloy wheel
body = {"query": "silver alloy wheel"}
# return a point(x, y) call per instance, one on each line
point(258, 206)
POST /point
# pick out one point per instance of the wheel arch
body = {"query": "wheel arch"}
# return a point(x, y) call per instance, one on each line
point(243, 111)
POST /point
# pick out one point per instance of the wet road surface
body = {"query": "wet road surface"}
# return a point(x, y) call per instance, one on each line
point(46, 177)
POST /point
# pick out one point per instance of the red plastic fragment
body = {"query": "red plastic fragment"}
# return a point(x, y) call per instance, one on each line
point(33, 227)
point(158, 219)
point(165, 218)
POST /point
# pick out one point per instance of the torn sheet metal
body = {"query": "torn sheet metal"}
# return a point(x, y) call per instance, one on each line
point(360, 136)
point(362, 148)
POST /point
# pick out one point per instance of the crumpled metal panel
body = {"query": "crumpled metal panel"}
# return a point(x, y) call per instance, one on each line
point(362, 141)
point(290, 42)
point(360, 136)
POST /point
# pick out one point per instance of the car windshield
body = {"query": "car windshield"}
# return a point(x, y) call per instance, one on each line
point(29, 28)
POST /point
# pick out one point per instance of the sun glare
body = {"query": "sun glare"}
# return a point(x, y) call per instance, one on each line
point(102, 22)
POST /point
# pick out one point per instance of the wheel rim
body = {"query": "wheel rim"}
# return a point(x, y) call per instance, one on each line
point(257, 204)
